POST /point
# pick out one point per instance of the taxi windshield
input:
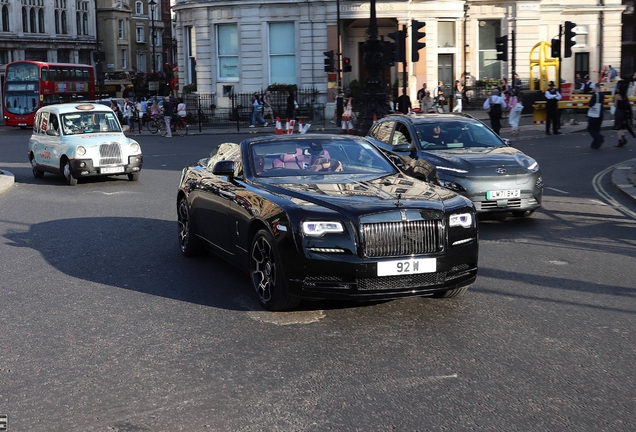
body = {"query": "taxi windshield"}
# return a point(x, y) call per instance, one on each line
point(86, 123)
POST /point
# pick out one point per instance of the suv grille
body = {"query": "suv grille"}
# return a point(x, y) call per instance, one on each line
point(387, 239)
point(110, 154)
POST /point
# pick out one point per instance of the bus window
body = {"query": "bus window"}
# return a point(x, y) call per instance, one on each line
point(45, 74)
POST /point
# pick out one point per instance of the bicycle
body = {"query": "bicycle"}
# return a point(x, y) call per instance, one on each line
point(155, 124)
point(179, 126)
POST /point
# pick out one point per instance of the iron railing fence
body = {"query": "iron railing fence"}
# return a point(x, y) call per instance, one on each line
point(204, 112)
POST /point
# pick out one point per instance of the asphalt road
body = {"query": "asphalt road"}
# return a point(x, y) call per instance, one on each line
point(104, 326)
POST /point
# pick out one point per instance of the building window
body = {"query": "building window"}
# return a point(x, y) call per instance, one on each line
point(82, 17)
point(5, 18)
point(4, 57)
point(124, 59)
point(191, 52)
point(228, 49)
point(120, 29)
point(140, 34)
point(141, 62)
point(446, 34)
point(41, 20)
point(25, 21)
point(63, 22)
point(139, 8)
point(489, 66)
point(282, 53)
point(581, 36)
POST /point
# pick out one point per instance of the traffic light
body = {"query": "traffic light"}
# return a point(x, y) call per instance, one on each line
point(569, 38)
point(346, 64)
point(388, 53)
point(416, 45)
point(502, 47)
point(329, 64)
point(556, 48)
point(400, 45)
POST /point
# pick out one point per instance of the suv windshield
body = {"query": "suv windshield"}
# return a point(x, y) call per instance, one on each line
point(93, 122)
point(456, 134)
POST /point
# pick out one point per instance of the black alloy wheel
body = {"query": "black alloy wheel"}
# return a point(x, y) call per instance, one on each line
point(267, 275)
point(188, 241)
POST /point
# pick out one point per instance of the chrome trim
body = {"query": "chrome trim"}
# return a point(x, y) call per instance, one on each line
point(110, 154)
point(387, 239)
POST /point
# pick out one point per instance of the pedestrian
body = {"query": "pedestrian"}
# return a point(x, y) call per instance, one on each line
point(347, 115)
point(115, 107)
point(428, 103)
point(579, 84)
point(552, 96)
point(389, 100)
point(421, 93)
point(458, 94)
point(155, 109)
point(495, 105)
point(588, 85)
point(129, 110)
point(612, 73)
point(292, 105)
point(257, 111)
point(182, 110)
point(438, 97)
point(623, 114)
point(595, 118)
point(139, 110)
point(404, 103)
point(516, 83)
point(268, 110)
point(168, 111)
point(515, 106)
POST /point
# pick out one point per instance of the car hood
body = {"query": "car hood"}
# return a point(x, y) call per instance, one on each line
point(88, 140)
point(362, 196)
point(481, 160)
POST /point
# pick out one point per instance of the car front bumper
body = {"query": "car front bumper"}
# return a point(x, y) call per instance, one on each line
point(85, 167)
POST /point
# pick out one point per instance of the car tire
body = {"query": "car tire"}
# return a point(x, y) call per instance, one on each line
point(68, 174)
point(188, 241)
point(451, 292)
point(521, 214)
point(37, 173)
point(267, 275)
point(133, 176)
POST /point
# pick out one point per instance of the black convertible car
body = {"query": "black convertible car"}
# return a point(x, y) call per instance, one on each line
point(317, 217)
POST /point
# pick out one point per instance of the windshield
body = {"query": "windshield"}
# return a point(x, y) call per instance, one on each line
point(21, 101)
point(456, 134)
point(304, 157)
point(86, 123)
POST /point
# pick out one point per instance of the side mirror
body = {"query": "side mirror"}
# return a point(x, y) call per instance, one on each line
point(506, 141)
point(402, 148)
point(52, 132)
point(224, 168)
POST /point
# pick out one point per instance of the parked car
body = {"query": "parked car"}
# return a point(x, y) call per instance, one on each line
point(468, 156)
point(320, 217)
point(82, 140)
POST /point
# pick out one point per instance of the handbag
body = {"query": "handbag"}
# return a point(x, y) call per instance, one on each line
point(613, 109)
point(594, 111)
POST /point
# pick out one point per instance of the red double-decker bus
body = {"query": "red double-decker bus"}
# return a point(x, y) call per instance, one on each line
point(30, 85)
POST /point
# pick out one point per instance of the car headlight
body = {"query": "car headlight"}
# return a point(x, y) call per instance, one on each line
point(451, 169)
point(461, 219)
point(452, 185)
point(134, 147)
point(81, 151)
point(318, 228)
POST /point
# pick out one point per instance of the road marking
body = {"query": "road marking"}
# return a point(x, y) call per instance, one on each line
point(558, 190)
point(596, 184)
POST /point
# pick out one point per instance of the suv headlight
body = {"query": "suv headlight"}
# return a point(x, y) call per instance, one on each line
point(318, 228)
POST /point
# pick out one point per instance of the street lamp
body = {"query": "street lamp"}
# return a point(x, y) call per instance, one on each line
point(153, 5)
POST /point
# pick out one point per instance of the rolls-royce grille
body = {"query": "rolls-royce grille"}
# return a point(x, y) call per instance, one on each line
point(387, 239)
point(110, 154)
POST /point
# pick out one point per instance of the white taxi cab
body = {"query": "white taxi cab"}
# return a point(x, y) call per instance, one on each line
point(80, 140)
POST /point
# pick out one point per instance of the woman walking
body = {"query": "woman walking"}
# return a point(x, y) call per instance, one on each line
point(458, 94)
point(623, 115)
point(515, 106)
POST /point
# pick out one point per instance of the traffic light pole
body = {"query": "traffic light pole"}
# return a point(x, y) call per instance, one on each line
point(559, 74)
point(404, 74)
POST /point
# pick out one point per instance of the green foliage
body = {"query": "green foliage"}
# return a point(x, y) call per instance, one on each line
point(189, 88)
point(280, 87)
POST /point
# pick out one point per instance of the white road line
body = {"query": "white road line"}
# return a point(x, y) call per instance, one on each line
point(596, 184)
point(558, 190)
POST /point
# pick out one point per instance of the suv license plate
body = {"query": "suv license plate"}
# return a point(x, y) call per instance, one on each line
point(510, 193)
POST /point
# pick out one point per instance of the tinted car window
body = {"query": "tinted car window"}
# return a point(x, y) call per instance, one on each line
point(456, 135)
point(383, 131)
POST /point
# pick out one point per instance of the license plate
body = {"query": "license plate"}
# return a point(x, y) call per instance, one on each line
point(407, 266)
point(21, 124)
point(502, 194)
point(112, 170)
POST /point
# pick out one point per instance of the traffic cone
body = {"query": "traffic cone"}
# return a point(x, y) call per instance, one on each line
point(300, 126)
point(290, 126)
point(279, 127)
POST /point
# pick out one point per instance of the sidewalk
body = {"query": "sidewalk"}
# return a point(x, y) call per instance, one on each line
point(623, 176)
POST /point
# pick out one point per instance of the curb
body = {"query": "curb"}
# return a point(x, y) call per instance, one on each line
point(624, 178)
point(6, 180)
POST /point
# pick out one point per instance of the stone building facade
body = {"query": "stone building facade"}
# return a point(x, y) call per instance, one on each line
point(248, 45)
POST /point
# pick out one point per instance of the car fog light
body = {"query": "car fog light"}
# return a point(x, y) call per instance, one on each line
point(135, 168)
point(82, 164)
point(85, 173)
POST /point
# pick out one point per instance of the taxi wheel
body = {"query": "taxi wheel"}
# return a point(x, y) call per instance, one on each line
point(133, 177)
point(68, 174)
point(37, 173)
